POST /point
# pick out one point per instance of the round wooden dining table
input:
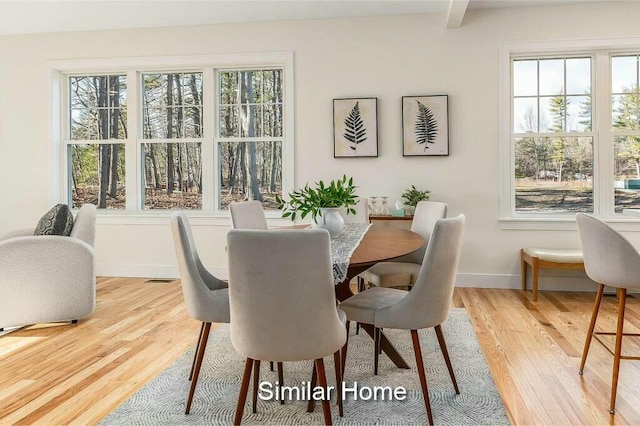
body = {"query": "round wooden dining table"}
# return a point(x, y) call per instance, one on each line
point(378, 245)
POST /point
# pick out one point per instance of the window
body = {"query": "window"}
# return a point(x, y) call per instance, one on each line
point(181, 133)
point(249, 137)
point(94, 142)
point(172, 133)
point(624, 122)
point(552, 135)
point(571, 142)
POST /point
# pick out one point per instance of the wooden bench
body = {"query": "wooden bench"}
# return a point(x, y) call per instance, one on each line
point(547, 258)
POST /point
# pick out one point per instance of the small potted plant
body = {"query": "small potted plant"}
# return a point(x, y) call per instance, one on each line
point(322, 202)
point(413, 196)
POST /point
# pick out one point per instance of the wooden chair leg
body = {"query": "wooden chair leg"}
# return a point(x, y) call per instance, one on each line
point(195, 354)
point(360, 290)
point(523, 270)
point(311, 405)
point(244, 389)
point(592, 325)
point(196, 373)
point(281, 380)
point(534, 279)
point(622, 299)
point(445, 353)
point(337, 362)
point(322, 379)
point(256, 379)
point(376, 349)
point(344, 350)
point(423, 379)
point(271, 365)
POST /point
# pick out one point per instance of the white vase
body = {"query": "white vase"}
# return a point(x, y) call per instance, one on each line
point(331, 220)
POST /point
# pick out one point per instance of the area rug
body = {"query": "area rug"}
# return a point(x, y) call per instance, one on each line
point(162, 401)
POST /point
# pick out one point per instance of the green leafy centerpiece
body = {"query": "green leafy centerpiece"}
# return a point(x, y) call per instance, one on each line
point(322, 203)
point(413, 196)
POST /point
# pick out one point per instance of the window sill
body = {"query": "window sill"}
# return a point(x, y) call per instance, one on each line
point(220, 219)
point(629, 222)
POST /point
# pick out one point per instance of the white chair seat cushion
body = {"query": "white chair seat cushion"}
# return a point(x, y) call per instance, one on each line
point(392, 274)
point(362, 307)
point(555, 255)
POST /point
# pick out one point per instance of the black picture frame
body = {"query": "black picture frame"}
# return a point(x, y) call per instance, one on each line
point(355, 127)
point(425, 125)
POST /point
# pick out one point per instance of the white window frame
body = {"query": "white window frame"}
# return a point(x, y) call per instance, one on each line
point(600, 51)
point(57, 80)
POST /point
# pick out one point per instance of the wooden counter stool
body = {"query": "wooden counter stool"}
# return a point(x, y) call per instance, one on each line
point(547, 258)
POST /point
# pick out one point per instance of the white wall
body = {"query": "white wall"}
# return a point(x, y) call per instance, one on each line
point(385, 57)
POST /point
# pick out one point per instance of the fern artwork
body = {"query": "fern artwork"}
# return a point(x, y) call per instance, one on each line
point(425, 125)
point(355, 127)
point(355, 132)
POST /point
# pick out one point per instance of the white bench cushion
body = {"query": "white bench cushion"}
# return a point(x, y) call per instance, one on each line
point(556, 255)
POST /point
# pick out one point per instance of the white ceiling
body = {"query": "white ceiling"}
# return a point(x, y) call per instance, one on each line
point(39, 16)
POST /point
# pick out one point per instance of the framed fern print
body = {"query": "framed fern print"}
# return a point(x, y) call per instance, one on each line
point(425, 125)
point(355, 127)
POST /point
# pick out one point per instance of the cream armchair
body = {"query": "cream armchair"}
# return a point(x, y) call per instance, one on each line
point(48, 278)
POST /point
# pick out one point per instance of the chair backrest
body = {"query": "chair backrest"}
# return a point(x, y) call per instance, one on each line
point(429, 301)
point(424, 219)
point(282, 295)
point(197, 296)
point(609, 258)
point(248, 215)
point(210, 281)
point(84, 224)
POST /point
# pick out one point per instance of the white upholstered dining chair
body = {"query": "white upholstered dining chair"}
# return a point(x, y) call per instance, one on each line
point(404, 270)
point(248, 215)
point(205, 296)
point(426, 305)
point(283, 303)
point(610, 260)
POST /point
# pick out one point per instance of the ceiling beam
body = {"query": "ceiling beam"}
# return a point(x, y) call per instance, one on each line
point(457, 9)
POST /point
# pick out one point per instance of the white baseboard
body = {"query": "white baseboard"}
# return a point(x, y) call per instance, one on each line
point(149, 271)
point(546, 282)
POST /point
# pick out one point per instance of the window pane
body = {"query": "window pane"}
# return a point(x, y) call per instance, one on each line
point(624, 111)
point(229, 125)
point(624, 74)
point(172, 105)
point(552, 77)
point(272, 81)
point(97, 175)
point(554, 175)
point(251, 123)
point(256, 81)
point(525, 115)
point(228, 82)
point(250, 170)
point(272, 123)
point(627, 173)
point(172, 176)
point(525, 78)
point(97, 107)
point(578, 76)
point(578, 113)
point(552, 114)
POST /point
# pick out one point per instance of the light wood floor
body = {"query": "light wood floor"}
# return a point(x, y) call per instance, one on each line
point(76, 374)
